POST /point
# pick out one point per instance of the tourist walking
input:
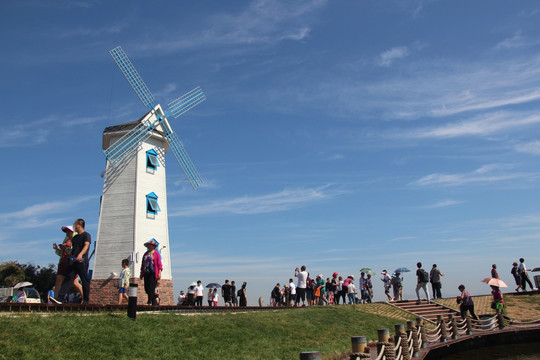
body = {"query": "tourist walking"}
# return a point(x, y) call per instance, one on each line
point(435, 279)
point(242, 294)
point(386, 279)
point(494, 273)
point(64, 251)
point(151, 268)
point(351, 291)
point(78, 261)
point(362, 287)
point(234, 296)
point(422, 280)
point(369, 288)
point(515, 274)
point(466, 303)
point(397, 286)
point(226, 293)
point(522, 270)
point(199, 293)
point(123, 281)
point(301, 285)
point(292, 293)
point(498, 300)
point(339, 294)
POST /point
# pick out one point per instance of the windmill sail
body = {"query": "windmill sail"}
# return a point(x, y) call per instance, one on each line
point(186, 102)
point(183, 159)
point(133, 139)
point(133, 77)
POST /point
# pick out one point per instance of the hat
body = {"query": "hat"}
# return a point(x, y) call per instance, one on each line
point(335, 274)
point(384, 272)
point(67, 228)
point(351, 276)
point(320, 275)
point(151, 242)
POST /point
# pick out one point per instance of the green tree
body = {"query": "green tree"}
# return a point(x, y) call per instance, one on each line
point(42, 278)
point(11, 273)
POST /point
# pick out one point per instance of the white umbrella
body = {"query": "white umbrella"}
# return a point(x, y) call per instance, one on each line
point(22, 284)
point(494, 282)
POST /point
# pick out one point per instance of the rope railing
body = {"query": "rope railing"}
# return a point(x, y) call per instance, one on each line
point(406, 344)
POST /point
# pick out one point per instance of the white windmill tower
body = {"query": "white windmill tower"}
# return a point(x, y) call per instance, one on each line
point(134, 202)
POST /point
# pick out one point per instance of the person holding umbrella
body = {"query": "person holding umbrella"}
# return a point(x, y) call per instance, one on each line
point(498, 300)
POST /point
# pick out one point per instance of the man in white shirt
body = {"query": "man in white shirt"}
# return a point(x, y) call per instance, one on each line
point(386, 283)
point(199, 290)
point(292, 292)
point(522, 271)
point(302, 276)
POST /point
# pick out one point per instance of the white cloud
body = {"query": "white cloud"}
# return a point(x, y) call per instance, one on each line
point(281, 201)
point(262, 22)
point(529, 148)
point(389, 56)
point(444, 203)
point(39, 215)
point(479, 126)
point(481, 175)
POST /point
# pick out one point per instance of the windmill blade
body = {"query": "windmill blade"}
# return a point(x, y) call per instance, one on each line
point(129, 142)
point(186, 102)
point(184, 160)
point(132, 76)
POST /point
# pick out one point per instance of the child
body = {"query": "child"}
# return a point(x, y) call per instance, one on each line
point(215, 297)
point(123, 281)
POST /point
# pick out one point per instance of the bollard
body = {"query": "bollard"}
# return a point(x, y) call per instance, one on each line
point(132, 301)
point(454, 326)
point(444, 331)
point(384, 341)
point(500, 320)
point(383, 335)
point(400, 333)
point(423, 331)
point(411, 329)
point(359, 344)
point(469, 325)
point(310, 355)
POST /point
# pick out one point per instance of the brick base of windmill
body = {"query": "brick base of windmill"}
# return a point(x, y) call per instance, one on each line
point(105, 292)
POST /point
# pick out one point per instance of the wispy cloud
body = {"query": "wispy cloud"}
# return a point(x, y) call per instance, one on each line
point(36, 132)
point(42, 214)
point(444, 203)
point(262, 22)
point(388, 57)
point(485, 174)
point(532, 147)
point(518, 40)
point(478, 126)
point(281, 201)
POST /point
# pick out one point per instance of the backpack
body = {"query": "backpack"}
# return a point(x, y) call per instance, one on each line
point(424, 276)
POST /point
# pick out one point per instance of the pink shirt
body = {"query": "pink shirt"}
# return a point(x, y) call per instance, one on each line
point(158, 266)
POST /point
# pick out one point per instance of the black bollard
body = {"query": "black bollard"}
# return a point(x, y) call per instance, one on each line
point(310, 355)
point(132, 301)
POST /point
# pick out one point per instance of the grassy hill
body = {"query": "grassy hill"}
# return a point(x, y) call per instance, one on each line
point(262, 335)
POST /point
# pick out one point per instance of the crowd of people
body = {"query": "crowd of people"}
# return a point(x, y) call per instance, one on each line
point(307, 291)
point(231, 297)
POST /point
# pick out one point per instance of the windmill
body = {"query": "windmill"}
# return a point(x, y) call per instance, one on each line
point(131, 141)
point(134, 201)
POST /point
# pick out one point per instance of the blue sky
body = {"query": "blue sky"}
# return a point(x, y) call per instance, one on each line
point(336, 134)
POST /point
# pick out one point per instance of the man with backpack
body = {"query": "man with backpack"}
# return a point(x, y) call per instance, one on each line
point(423, 279)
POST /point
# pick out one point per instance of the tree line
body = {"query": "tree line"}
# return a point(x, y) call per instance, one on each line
point(42, 278)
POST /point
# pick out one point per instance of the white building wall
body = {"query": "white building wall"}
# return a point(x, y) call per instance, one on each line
point(124, 225)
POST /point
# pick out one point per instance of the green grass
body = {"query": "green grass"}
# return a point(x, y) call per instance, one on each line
point(262, 335)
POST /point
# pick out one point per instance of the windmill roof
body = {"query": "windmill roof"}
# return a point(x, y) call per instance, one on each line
point(111, 132)
point(125, 126)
